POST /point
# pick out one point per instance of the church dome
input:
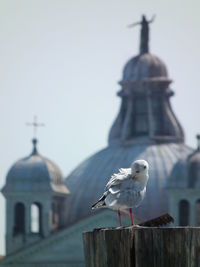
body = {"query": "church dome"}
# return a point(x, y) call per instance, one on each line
point(144, 67)
point(35, 173)
point(86, 183)
point(194, 167)
point(178, 176)
point(186, 172)
point(145, 128)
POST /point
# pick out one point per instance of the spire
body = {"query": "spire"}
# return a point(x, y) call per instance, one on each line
point(198, 141)
point(35, 124)
point(144, 33)
point(35, 151)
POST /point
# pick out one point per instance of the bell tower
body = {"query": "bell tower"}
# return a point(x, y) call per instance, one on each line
point(35, 196)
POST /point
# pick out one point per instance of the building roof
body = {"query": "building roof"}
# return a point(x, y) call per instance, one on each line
point(186, 172)
point(35, 173)
point(145, 67)
point(63, 248)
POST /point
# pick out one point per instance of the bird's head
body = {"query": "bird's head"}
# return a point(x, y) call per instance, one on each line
point(139, 170)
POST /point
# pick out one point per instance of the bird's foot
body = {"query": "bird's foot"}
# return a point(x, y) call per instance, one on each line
point(119, 227)
point(136, 226)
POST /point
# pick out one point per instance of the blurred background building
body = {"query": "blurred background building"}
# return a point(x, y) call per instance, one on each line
point(46, 215)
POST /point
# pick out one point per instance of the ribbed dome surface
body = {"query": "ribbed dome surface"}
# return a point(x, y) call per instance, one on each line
point(143, 67)
point(186, 172)
point(194, 170)
point(86, 183)
point(35, 173)
point(179, 175)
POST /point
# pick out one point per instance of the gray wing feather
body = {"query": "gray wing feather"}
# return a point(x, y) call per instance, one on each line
point(118, 178)
point(127, 198)
point(122, 191)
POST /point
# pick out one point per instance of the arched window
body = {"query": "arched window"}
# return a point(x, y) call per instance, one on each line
point(184, 212)
point(36, 218)
point(19, 219)
point(198, 212)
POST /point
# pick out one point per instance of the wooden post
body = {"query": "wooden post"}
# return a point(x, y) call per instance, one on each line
point(143, 247)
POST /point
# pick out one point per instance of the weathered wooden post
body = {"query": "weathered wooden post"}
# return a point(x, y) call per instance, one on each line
point(143, 247)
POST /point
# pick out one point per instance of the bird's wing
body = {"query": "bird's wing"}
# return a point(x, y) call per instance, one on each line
point(117, 179)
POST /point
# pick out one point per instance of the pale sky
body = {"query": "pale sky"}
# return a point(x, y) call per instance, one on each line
point(61, 60)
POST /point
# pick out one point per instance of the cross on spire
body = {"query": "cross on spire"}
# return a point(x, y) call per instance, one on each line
point(35, 124)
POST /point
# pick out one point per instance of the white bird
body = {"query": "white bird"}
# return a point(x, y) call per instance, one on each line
point(125, 189)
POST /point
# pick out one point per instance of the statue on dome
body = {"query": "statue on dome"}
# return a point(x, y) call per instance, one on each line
point(144, 35)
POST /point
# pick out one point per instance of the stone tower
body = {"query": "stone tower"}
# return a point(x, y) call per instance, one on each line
point(35, 197)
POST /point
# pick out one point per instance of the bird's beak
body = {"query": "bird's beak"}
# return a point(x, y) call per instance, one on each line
point(134, 176)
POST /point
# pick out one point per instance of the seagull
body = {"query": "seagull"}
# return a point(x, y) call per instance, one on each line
point(125, 189)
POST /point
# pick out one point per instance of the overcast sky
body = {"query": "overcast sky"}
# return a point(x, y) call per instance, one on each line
point(61, 60)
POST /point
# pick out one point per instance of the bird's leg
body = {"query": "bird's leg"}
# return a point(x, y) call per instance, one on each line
point(125, 212)
point(120, 217)
point(132, 217)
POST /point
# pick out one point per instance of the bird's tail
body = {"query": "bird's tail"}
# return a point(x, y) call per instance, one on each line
point(100, 203)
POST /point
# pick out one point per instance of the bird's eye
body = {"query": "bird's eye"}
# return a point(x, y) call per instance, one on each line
point(145, 167)
point(137, 171)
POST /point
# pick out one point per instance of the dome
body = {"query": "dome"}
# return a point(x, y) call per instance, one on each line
point(178, 177)
point(144, 67)
point(186, 172)
point(86, 183)
point(194, 169)
point(145, 128)
point(35, 173)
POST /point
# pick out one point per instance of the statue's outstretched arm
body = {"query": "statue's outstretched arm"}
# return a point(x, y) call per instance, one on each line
point(134, 24)
point(152, 19)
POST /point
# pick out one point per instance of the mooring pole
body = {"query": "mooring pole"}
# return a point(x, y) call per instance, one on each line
point(143, 247)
